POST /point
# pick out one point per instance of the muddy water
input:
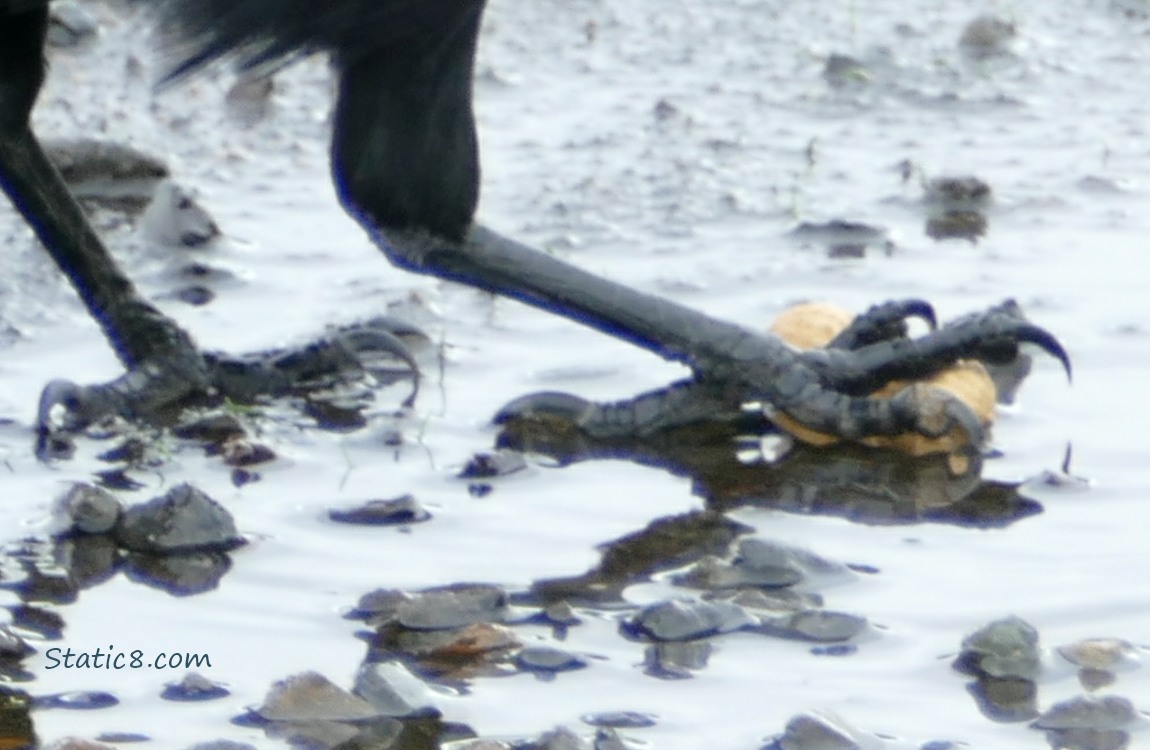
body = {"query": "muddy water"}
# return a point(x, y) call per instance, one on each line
point(671, 145)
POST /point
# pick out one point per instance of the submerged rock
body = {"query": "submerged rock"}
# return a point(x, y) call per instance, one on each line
point(775, 602)
point(620, 719)
point(1005, 699)
point(399, 510)
point(489, 465)
point(313, 735)
point(685, 620)
point(843, 238)
point(1004, 648)
point(1102, 713)
point(194, 687)
point(87, 509)
point(452, 607)
point(182, 520)
point(987, 36)
point(179, 573)
point(560, 738)
point(958, 192)
point(548, 659)
point(394, 691)
point(474, 644)
point(222, 745)
point(843, 71)
point(758, 553)
point(676, 660)
point(815, 731)
point(1104, 654)
point(817, 625)
point(713, 572)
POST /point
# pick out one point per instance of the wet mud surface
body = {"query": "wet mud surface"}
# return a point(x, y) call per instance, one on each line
point(683, 593)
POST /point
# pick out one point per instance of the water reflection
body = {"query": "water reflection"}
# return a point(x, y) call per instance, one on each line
point(862, 484)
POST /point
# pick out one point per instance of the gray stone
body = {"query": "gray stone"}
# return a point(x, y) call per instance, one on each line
point(311, 697)
point(1088, 712)
point(184, 519)
point(1004, 648)
point(684, 620)
point(452, 607)
point(394, 691)
point(823, 732)
point(87, 509)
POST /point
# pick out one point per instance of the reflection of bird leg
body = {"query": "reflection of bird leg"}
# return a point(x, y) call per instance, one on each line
point(665, 544)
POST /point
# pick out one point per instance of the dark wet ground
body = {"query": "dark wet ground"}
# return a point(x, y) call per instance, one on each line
point(674, 146)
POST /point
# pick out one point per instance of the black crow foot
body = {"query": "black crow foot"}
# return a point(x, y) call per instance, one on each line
point(145, 393)
point(918, 396)
point(157, 391)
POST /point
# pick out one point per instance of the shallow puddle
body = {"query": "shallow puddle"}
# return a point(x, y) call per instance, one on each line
point(672, 145)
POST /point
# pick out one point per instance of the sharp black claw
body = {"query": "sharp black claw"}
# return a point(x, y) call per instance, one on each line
point(965, 417)
point(384, 341)
point(919, 308)
point(1045, 340)
point(65, 408)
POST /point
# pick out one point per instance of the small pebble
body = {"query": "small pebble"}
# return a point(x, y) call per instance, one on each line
point(400, 510)
point(488, 465)
point(620, 719)
point(194, 687)
point(87, 509)
point(1100, 653)
point(548, 659)
point(987, 36)
point(80, 700)
point(822, 732)
point(821, 625)
point(560, 738)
